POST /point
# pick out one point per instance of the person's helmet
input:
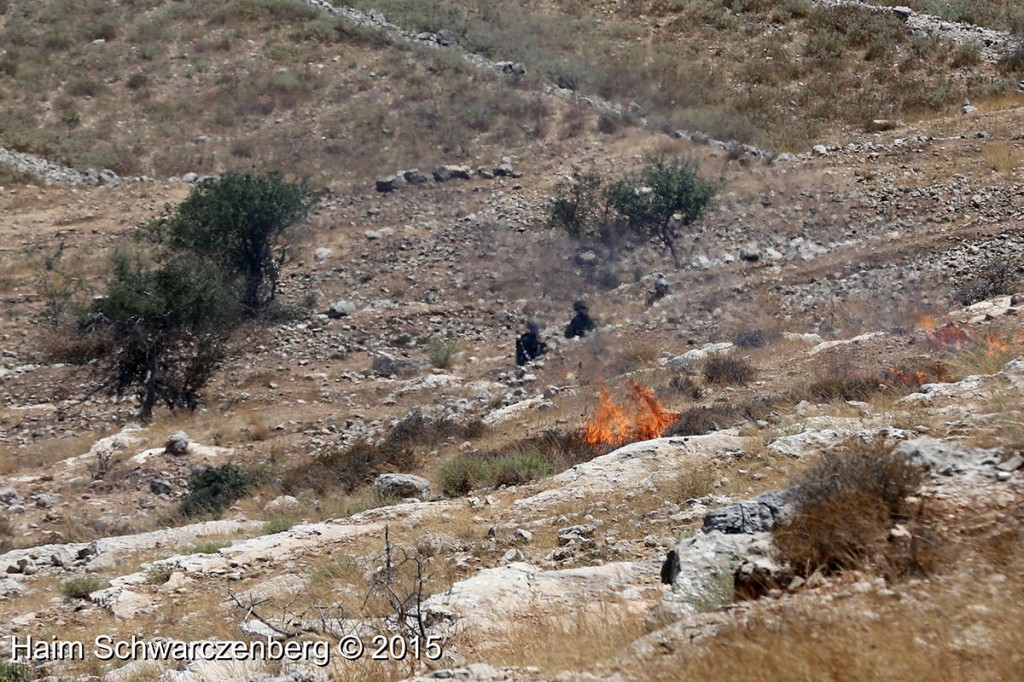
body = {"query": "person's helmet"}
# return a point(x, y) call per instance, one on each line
point(580, 306)
point(533, 326)
point(661, 282)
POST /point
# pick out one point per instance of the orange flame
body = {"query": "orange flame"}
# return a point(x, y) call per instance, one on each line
point(613, 426)
point(992, 345)
point(925, 323)
point(949, 336)
point(915, 378)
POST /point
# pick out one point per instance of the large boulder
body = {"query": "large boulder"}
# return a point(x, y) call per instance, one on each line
point(340, 309)
point(385, 364)
point(750, 516)
point(401, 486)
point(177, 443)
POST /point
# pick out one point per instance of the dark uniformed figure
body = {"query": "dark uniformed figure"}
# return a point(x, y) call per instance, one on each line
point(582, 323)
point(529, 346)
point(660, 290)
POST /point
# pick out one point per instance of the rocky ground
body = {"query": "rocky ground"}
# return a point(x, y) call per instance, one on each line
point(844, 259)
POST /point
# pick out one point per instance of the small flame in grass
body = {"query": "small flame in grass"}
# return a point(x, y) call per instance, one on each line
point(993, 346)
point(611, 425)
point(949, 336)
point(915, 378)
point(925, 323)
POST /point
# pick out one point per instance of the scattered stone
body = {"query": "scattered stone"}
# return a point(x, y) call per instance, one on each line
point(413, 176)
point(322, 254)
point(450, 172)
point(283, 504)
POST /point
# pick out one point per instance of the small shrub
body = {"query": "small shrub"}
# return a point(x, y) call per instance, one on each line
point(83, 86)
point(695, 482)
point(689, 386)
point(137, 81)
point(469, 471)
point(697, 421)
point(727, 370)
point(158, 574)
point(442, 352)
point(844, 386)
point(1013, 61)
point(755, 338)
point(843, 507)
point(211, 489)
point(81, 588)
point(279, 524)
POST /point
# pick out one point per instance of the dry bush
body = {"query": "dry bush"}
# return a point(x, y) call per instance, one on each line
point(697, 421)
point(727, 370)
point(840, 385)
point(843, 507)
point(756, 338)
point(995, 277)
point(688, 385)
point(696, 482)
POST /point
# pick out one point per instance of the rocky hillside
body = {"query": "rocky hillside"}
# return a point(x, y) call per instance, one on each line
point(808, 455)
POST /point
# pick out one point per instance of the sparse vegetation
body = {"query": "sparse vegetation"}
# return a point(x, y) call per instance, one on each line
point(279, 523)
point(696, 421)
point(843, 385)
point(81, 588)
point(15, 672)
point(206, 547)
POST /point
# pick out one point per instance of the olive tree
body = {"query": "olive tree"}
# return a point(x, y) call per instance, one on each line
point(241, 222)
point(164, 328)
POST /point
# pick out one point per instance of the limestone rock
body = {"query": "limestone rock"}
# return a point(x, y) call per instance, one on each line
point(401, 486)
point(177, 443)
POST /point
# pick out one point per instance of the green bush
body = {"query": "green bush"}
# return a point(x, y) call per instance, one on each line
point(468, 471)
point(442, 352)
point(206, 547)
point(242, 222)
point(165, 328)
point(211, 489)
point(81, 588)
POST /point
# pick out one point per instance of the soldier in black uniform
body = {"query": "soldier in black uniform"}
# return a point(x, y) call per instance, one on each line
point(529, 346)
point(582, 323)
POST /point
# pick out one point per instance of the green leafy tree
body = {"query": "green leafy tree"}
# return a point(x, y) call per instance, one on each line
point(665, 196)
point(241, 222)
point(165, 328)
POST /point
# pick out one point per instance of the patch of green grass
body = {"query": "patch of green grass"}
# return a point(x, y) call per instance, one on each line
point(81, 588)
point(279, 524)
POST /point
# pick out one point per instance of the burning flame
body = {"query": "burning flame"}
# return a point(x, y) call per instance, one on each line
point(613, 426)
point(949, 336)
point(915, 378)
point(992, 345)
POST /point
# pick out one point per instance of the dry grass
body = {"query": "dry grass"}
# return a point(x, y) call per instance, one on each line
point(570, 639)
point(843, 505)
point(1003, 157)
point(727, 370)
point(964, 631)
